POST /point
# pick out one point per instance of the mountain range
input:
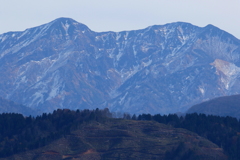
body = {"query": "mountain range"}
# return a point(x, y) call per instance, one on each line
point(159, 69)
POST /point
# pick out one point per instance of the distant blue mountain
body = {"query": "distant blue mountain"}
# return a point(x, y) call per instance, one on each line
point(159, 69)
point(221, 106)
point(7, 106)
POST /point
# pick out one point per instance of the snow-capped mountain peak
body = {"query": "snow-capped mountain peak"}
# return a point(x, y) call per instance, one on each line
point(159, 69)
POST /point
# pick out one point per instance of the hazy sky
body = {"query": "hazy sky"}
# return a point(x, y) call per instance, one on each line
point(111, 15)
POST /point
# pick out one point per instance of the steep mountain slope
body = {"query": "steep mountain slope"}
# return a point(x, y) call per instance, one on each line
point(222, 106)
point(168, 68)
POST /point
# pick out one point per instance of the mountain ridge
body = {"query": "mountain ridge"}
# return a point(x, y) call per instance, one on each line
point(220, 106)
point(159, 69)
point(7, 106)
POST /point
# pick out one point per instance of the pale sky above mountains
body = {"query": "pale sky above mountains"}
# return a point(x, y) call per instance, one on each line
point(111, 15)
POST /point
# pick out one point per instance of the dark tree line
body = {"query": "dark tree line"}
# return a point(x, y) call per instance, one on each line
point(18, 133)
point(223, 131)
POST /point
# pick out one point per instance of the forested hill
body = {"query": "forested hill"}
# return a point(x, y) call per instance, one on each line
point(223, 131)
point(86, 134)
point(93, 134)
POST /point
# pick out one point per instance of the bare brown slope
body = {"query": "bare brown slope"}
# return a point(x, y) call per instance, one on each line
point(125, 139)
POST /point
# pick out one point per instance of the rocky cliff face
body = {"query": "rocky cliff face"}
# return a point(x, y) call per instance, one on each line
point(159, 69)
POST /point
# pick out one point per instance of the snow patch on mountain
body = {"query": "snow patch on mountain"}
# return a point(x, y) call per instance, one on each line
point(123, 98)
point(202, 90)
point(37, 98)
point(65, 26)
